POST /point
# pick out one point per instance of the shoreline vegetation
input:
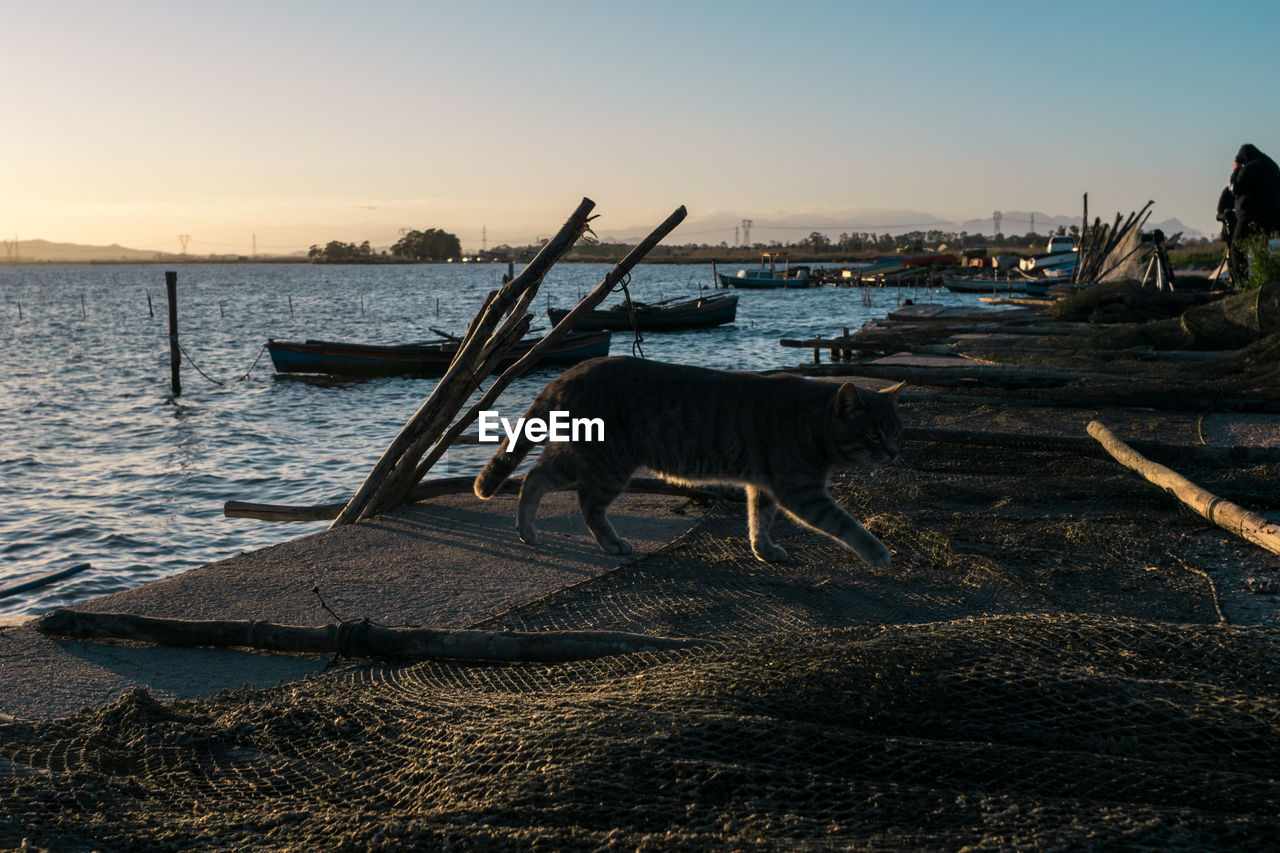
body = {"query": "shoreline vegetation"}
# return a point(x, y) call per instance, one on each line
point(438, 246)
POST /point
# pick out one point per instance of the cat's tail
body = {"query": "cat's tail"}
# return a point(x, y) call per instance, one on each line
point(503, 463)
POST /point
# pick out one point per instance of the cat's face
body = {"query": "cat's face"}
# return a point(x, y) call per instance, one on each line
point(866, 430)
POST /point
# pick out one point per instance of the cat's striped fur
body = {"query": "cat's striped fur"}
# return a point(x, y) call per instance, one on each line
point(778, 437)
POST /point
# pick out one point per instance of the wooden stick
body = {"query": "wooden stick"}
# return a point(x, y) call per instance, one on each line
point(43, 580)
point(358, 639)
point(463, 367)
point(566, 325)
point(1231, 517)
point(446, 486)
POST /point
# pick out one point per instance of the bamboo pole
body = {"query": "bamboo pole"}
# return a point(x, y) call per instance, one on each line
point(1231, 517)
point(566, 324)
point(358, 639)
point(463, 371)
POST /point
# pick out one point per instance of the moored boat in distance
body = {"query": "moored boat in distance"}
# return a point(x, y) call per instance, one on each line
point(669, 315)
point(767, 277)
point(335, 358)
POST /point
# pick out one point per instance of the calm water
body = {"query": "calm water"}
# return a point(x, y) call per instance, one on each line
point(98, 464)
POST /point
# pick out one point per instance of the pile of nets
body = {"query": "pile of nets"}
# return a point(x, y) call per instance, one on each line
point(1146, 318)
point(1036, 669)
point(988, 733)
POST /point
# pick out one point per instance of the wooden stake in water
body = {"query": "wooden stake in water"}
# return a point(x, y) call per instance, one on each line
point(83, 311)
point(362, 305)
point(151, 312)
point(290, 306)
point(175, 357)
point(437, 306)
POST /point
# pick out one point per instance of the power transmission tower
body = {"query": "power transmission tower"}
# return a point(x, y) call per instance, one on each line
point(735, 236)
point(995, 219)
point(746, 232)
point(1033, 222)
point(183, 239)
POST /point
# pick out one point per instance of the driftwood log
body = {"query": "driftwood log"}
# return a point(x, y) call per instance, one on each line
point(1228, 516)
point(449, 486)
point(357, 639)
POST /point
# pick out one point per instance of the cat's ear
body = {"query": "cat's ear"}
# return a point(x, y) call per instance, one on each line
point(892, 391)
point(847, 400)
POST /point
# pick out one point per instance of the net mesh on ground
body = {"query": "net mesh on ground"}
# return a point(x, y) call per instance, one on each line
point(1036, 669)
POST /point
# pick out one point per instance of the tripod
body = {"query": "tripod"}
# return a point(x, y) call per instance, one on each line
point(1160, 264)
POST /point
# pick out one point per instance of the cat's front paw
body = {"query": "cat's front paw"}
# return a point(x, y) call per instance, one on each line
point(876, 555)
point(769, 553)
point(622, 548)
point(528, 536)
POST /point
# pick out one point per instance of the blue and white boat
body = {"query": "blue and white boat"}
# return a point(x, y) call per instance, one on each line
point(767, 277)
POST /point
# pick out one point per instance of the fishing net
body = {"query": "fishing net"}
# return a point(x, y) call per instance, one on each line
point(1038, 668)
point(1222, 324)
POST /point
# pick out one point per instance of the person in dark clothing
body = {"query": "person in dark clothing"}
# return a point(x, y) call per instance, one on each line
point(1250, 204)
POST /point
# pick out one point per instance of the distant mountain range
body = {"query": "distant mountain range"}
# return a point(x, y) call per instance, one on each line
point(43, 250)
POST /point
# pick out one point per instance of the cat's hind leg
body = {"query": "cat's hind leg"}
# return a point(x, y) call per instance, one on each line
point(595, 493)
point(814, 507)
point(761, 510)
point(550, 472)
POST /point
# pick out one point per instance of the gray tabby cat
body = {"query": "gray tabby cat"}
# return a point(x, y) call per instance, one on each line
point(778, 437)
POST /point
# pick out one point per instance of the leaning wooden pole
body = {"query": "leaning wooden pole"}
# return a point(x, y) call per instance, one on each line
point(461, 377)
point(566, 325)
point(1223, 513)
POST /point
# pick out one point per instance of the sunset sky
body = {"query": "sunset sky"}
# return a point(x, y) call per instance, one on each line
point(302, 122)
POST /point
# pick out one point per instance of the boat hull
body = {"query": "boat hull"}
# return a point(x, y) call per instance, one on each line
point(695, 314)
point(333, 358)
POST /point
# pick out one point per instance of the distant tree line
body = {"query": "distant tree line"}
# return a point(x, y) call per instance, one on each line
point(430, 245)
point(337, 252)
point(415, 246)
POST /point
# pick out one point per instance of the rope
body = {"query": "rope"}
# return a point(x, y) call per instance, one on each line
point(243, 376)
point(255, 363)
point(636, 349)
point(192, 362)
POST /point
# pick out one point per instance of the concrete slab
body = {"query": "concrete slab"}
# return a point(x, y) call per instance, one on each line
point(449, 563)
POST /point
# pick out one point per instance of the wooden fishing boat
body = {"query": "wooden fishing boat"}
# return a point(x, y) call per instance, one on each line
point(769, 276)
point(333, 358)
point(699, 312)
